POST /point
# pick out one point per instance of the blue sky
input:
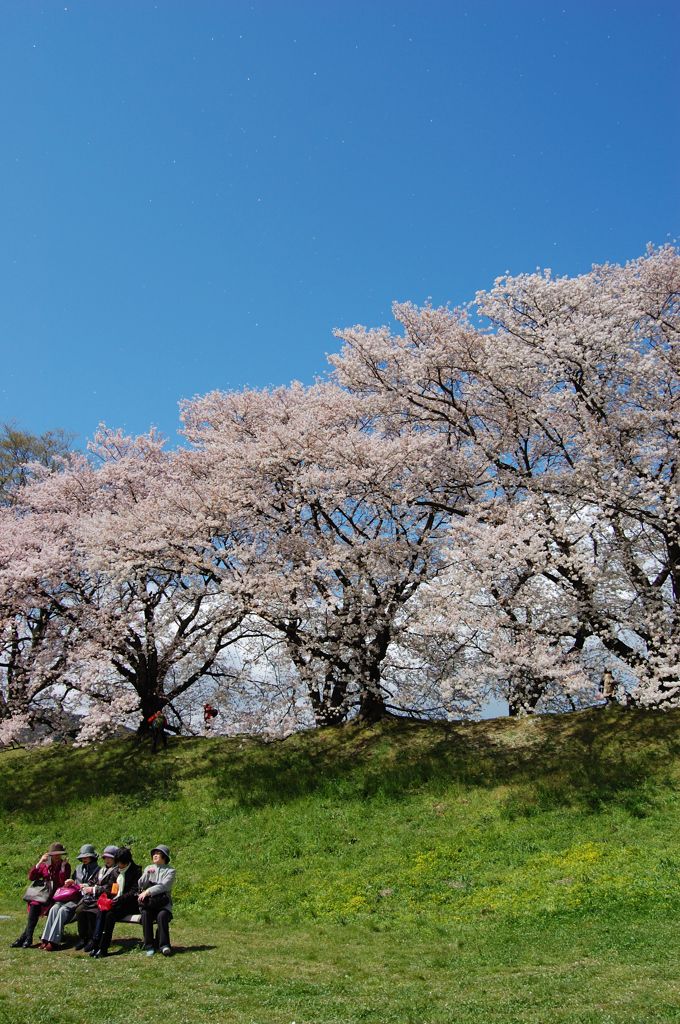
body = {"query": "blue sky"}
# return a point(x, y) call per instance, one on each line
point(193, 195)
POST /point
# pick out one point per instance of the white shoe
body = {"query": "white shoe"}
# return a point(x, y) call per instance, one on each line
point(166, 951)
point(150, 952)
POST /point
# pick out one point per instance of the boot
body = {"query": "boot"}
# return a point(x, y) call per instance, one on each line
point(25, 940)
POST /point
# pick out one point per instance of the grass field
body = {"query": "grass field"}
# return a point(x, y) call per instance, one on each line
point(505, 871)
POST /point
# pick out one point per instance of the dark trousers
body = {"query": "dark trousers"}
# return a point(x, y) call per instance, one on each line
point(163, 919)
point(125, 904)
point(33, 915)
point(154, 739)
point(99, 924)
point(86, 919)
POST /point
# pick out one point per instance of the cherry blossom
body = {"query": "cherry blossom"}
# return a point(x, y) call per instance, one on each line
point(567, 408)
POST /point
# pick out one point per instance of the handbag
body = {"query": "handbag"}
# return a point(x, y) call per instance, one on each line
point(39, 892)
point(105, 902)
point(67, 894)
point(155, 903)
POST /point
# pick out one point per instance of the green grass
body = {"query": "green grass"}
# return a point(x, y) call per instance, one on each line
point(506, 871)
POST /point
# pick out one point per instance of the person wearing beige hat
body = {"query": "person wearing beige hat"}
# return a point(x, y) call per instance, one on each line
point(64, 912)
point(46, 877)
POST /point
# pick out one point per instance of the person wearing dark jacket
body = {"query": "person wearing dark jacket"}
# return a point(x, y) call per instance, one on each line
point(62, 913)
point(125, 893)
point(158, 723)
point(87, 910)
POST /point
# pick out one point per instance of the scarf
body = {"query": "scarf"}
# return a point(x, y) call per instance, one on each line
point(121, 881)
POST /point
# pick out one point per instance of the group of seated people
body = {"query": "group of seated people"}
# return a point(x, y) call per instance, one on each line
point(97, 896)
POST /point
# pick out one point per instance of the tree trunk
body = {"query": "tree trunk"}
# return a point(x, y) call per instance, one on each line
point(372, 707)
point(328, 712)
point(151, 702)
point(326, 696)
point(140, 669)
point(372, 704)
point(525, 695)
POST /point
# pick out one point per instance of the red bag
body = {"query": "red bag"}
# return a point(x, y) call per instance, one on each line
point(67, 893)
point(104, 902)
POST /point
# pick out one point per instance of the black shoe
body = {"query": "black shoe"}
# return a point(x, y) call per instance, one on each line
point(88, 947)
point(100, 954)
point(27, 943)
point(93, 952)
point(80, 944)
point(18, 944)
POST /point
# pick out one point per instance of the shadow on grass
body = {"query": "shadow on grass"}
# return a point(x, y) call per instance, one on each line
point(133, 945)
point(47, 778)
point(588, 759)
point(128, 945)
point(180, 950)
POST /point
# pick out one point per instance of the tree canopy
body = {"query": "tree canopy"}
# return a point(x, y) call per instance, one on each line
point(463, 510)
point(20, 448)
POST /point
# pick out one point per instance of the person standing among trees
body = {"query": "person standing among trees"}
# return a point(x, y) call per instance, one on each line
point(209, 712)
point(609, 687)
point(158, 723)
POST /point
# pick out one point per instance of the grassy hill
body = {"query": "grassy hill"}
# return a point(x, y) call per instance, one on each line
point(504, 871)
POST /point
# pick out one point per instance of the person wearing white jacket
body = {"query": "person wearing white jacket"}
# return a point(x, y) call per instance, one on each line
point(155, 901)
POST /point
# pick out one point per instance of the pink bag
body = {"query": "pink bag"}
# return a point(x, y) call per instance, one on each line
point(68, 893)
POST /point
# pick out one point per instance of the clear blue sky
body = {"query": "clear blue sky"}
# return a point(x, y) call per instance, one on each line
point(194, 194)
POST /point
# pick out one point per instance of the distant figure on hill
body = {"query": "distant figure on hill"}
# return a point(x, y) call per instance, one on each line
point(158, 723)
point(609, 687)
point(209, 712)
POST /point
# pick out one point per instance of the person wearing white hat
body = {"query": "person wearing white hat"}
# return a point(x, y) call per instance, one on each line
point(155, 901)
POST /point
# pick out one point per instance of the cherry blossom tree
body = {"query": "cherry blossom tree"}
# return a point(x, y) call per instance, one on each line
point(567, 406)
point(146, 615)
point(344, 518)
point(35, 637)
point(465, 508)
